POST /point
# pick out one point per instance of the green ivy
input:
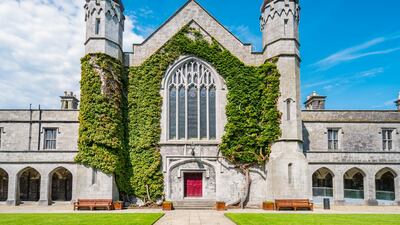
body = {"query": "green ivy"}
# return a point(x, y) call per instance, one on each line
point(253, 117)
point(102, 133)
point(121, 121)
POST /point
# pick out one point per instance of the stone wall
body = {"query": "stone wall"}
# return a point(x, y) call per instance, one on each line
point(360, 148)
point(16, 125)
point(16, 156)
point(359, 131)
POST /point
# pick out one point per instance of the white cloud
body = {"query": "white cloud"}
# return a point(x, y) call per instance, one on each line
point(346, 80)
point(356, 52)
point(130, 37)
point(41, 43)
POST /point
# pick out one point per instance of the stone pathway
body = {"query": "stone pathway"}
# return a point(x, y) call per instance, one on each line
point(194, 217)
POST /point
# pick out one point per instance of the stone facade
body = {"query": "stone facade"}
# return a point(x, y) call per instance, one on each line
point(342, 155)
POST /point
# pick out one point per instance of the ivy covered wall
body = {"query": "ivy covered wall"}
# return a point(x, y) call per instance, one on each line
point(253, 118)
point(252, 126)
point(102, 134)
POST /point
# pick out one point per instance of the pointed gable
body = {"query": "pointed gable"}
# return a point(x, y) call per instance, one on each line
point(189, 13)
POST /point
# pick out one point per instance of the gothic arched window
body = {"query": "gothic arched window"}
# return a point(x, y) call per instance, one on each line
point(191, 102)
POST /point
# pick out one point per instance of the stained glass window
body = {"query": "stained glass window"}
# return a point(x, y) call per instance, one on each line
point(192, 106)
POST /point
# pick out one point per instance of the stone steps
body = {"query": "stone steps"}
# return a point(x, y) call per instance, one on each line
point(194, 204)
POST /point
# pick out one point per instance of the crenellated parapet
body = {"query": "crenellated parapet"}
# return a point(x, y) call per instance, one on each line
point(104, 27)
point(112, 9)
point(279, 20)
point(272, 9)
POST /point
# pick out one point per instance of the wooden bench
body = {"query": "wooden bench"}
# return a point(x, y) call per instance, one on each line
point(294, 204)
point(93, 204)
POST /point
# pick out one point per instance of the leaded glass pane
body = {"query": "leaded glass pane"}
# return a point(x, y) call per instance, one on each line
point(203, 112)
point(172, 113)
point(50, 138)
point(192, 112)
point(194, 109)
point(181, 113)
point(212, 113)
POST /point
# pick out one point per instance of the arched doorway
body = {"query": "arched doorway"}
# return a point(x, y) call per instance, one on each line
point(354, 184)
point(61, 185)
point(29, 185)
point(322, 180)
point(384, 183)
point(3, 185)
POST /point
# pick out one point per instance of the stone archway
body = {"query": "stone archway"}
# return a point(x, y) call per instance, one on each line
point(385, 185)
point(322, 180)
point(354, 184)
point(61, 185)
point(3, 185)
point(29, 185)
point(179, 172)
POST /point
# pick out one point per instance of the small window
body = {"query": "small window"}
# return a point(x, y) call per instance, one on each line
point(50, 137)
point(290, 173)
point(285, 27)
point(387, 139)
point(1, 135)
point(288, 109)
point(97, 28)
point(333, 139)
point(94, 176)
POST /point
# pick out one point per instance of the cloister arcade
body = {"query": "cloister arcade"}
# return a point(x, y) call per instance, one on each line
point(31, 184)
point(372, 185)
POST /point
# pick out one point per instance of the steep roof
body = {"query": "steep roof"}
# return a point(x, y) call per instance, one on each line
point(192, 11)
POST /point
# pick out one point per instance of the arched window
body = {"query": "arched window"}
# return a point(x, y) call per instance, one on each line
point(191, 102)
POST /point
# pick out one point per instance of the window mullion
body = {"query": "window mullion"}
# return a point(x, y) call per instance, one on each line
point(198, 112)
point(177, 113)
point(186, 111)
point(208, 113)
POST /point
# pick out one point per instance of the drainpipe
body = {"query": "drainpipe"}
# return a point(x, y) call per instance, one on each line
point(30, 127)
point(40, 127)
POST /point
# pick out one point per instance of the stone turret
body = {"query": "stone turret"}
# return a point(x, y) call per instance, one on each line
point(69, 101)
point(398, 102)
point(315, 102)
point(104, 27)
point(279, 25)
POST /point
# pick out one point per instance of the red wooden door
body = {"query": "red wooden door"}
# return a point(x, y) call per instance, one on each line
point(193, 184)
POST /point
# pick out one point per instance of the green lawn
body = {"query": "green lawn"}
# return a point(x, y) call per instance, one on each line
point(80, 219)
point(314, 219)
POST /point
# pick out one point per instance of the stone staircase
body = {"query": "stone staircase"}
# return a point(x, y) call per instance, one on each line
point(194, 204)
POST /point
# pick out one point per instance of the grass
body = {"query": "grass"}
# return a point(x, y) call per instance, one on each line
point(80, 219)
point(314, 219)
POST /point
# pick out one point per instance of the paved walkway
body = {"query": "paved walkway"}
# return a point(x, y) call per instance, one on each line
point(195, 217)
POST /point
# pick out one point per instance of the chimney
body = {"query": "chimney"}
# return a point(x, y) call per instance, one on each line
point(398, 102)
point(69, 101)
point(315, 102)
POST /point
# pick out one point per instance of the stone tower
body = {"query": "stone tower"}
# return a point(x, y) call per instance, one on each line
point(104, 27)
point(287, 169)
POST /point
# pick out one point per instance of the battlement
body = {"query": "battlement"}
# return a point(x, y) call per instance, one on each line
point(104, 27)
point(272, 9)
point(279, 21)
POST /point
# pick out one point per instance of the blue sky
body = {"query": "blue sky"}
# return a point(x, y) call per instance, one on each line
point(350, 49)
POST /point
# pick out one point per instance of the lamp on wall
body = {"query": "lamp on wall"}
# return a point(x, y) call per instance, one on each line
point(192, 147)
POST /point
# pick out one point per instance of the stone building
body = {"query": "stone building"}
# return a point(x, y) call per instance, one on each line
point(350, 156)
